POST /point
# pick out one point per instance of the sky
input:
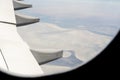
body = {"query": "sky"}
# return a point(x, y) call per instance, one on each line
point(72, 13)
point(93, 22)
point(98, 16)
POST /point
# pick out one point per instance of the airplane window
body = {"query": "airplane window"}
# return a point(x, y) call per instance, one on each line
point(55, 36)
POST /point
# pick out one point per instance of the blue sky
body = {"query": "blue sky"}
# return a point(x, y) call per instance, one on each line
point(72, 13)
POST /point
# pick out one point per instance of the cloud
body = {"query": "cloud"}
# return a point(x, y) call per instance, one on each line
point(84, 43)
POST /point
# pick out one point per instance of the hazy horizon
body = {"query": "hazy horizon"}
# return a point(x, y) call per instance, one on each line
point(92, 14)
point(69, 13)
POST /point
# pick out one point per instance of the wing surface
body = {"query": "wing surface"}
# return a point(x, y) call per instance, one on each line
point(15, 54)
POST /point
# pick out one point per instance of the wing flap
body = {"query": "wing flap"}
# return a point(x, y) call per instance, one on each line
point(46, 55)
point(25, 20)
point(20, 5)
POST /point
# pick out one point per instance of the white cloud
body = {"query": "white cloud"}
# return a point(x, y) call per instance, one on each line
point(85, 43)
point(48, 36)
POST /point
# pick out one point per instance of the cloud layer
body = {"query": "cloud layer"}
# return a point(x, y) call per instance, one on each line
point(49, 36)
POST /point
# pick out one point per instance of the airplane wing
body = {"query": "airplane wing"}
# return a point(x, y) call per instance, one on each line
point(15, 55)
